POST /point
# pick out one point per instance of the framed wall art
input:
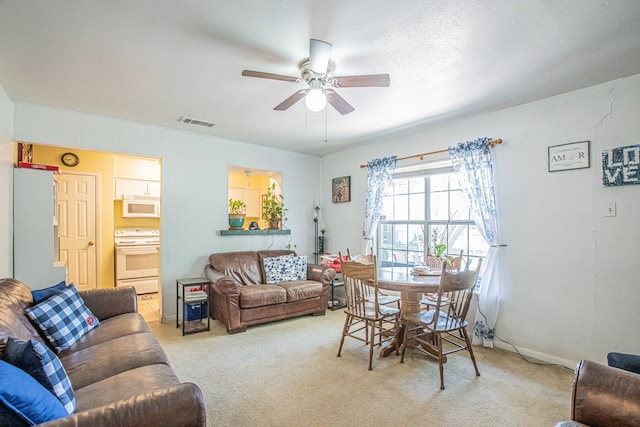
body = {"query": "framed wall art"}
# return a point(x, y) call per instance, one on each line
point(341, 189)
point(574, 155)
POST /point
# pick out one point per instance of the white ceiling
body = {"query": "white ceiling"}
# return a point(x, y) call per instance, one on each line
point(152, 61)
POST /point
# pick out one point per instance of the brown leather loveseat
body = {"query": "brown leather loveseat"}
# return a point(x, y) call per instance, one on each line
point(240, 295)
point(119, 373)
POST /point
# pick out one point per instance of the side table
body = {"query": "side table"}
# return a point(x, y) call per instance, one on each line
point(192, 295)
point(336, 303)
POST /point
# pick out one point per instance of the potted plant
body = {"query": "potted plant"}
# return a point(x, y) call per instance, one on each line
point(273, 209)
point(237, 211)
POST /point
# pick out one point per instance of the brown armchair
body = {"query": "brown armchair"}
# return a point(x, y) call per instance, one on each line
point(604, 396)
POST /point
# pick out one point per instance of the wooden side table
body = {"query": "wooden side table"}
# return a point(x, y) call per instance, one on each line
point(192, 295)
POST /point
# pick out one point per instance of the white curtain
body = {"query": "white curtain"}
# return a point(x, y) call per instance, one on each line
point(379, 174)
point(474, 169)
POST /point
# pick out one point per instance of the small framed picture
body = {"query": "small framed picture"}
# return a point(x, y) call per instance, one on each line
point(341, 189)
point(564, 157)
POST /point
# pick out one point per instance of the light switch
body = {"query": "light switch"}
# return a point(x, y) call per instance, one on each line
point(610, 209)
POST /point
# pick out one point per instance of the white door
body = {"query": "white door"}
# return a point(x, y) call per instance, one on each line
point(77, 228)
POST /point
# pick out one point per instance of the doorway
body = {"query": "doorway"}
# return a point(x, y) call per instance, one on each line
point(77, 225)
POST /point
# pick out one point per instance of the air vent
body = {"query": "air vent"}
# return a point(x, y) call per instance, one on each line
point(193, 121)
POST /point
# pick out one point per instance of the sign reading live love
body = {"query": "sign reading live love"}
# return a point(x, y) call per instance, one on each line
point(621, 166)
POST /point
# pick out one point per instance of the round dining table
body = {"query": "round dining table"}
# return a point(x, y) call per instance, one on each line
point(411, 287)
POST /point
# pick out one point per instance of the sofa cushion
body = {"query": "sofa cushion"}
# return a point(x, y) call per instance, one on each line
point(111, 328)
point(40, 295)
point(109, 358)
point(300, 290)
point(125, 385)
point(63, 318)
point(30, 401)
point(261, 295)
point(243, 267)
point(284, 268)
point(43, 365)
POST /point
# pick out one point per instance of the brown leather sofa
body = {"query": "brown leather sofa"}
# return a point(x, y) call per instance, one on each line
point(239, 296)
point(119, 372)
point(604, 396)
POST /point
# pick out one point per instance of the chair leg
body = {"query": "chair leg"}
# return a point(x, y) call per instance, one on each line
point(438, 339)
point(345, 329)
point(470, 349)
point(372, 343)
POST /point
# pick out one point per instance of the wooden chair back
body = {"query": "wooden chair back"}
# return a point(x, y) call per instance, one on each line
point(360, 286)
point(453, 298)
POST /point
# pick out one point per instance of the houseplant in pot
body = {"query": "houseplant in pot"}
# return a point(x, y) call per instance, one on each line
point(273, 209)
point(237, 211)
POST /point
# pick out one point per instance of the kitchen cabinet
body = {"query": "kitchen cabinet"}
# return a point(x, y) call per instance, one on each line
point(135, 187)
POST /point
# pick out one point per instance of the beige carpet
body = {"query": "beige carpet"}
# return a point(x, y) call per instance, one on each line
point(287, 374)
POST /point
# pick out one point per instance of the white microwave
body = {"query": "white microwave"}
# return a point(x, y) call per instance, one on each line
point(134, 206)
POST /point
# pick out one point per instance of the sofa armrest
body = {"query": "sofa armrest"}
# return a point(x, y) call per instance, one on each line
point(320, 273)
point(177, 405)
point(224, 299)
point(222, 283)
point(110, 302)
point(603, 395)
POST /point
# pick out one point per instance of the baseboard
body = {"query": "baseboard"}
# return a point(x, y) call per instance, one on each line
point(543, 357)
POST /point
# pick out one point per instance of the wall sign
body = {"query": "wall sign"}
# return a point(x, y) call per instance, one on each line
point(620, 166)
point(569, 156)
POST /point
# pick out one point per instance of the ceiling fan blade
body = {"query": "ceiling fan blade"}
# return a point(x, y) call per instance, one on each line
point(338, 102)
point(319, 53)
point(373, 80)
point(260, 74)
point(284, 105)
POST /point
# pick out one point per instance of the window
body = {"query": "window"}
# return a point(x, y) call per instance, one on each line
point(421, 210)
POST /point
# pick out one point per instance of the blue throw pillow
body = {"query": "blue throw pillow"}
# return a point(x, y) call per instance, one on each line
point(63, 318)
point(37, 360)
point(40, 295)
point(25, 398)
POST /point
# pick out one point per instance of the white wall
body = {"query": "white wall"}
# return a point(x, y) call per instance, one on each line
point(194, 183)
point(6, 184)
point(572, 288)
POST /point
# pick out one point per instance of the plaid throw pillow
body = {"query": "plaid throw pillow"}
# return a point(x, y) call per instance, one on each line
point(37, 360)
point(63, 318)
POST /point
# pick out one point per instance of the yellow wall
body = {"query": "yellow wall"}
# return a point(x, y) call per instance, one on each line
point(110, 210)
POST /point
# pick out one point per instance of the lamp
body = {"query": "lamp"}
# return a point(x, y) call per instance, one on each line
point(248, 173)
point(315, 100)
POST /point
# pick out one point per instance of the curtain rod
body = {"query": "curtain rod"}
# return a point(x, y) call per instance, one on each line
point(421, 156)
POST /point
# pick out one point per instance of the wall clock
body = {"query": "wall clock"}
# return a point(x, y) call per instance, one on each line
point(70, 159)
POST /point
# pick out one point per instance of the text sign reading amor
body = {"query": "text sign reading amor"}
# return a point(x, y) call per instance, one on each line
point(569, 156)
point(620, 166)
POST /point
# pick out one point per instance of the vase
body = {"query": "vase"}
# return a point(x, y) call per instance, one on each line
point(274, 224)
point(236, 221)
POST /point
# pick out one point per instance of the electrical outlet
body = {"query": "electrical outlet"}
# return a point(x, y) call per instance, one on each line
point(610, 209)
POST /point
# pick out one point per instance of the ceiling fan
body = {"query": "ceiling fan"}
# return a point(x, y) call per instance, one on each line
point(317, 73)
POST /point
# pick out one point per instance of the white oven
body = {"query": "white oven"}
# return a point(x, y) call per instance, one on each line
point(137, 253)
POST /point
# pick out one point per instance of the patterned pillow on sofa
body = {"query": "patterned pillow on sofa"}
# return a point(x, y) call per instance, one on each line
point(63, 318)
point(287, 268)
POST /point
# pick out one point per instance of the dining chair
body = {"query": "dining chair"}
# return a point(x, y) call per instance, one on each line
point(383, 299)
point(433, 328)
point(453, 263)
point(366, 318)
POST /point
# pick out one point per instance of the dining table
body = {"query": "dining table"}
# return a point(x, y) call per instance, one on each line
point(411, 287)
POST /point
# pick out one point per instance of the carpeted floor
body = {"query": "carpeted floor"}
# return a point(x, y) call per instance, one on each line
point(287, 374)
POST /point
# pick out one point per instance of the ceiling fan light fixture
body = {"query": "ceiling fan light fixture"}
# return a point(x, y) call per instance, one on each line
point(315, 100)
